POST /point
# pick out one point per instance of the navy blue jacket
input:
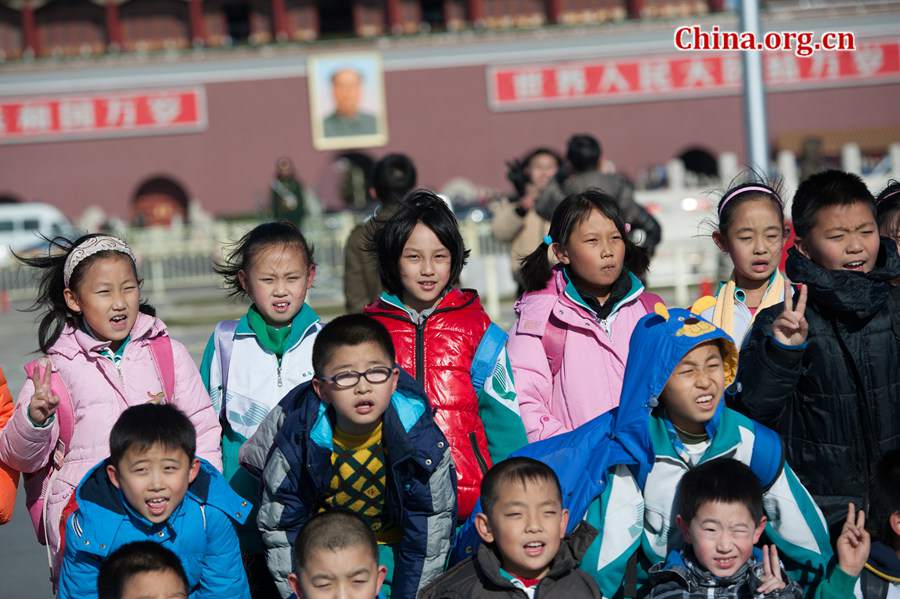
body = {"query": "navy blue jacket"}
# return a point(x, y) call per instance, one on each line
point(421, 481)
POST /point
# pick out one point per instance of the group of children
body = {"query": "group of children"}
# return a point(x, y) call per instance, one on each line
point(606, 446)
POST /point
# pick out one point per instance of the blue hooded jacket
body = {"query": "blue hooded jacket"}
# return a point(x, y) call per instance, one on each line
point(604, 465)
point(200, 531)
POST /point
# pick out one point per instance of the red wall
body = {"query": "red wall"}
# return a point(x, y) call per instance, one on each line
point(438, 116)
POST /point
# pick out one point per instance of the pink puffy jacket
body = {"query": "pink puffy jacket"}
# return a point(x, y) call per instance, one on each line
point(100, 393)
point(592, 364)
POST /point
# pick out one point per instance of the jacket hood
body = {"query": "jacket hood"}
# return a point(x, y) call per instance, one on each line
point(684, 565)
point(568, 557)
point(658, 344)
point(883, 562)
point(102, 507)
point(560, 288)
point(73, 341)
point(859, 294)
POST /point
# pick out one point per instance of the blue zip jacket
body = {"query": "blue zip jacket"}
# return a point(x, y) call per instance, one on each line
point(421, 481)
point(201, 532)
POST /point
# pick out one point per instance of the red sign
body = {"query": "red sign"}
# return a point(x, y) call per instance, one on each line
point(107, 114)
point(683, 75)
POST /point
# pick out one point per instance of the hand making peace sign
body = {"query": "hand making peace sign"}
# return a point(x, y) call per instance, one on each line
point(43, 400)
point(791, 328)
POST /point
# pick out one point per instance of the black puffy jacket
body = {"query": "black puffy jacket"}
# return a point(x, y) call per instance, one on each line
point(835, 401)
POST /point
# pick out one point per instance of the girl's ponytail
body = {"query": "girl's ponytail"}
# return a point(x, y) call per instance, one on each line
point(536, 269)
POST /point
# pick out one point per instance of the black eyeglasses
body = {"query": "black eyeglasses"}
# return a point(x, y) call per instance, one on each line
point(345, 380)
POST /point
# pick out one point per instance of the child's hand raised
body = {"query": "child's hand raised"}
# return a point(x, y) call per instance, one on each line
point(771, 579)
point(43, 400)
point(854, 543)
point(791, 328)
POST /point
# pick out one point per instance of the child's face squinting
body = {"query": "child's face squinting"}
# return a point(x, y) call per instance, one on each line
point(695, 388)
point(358, 409)
point(722, 536)
point(107, 297)
point(527, 523)
point(277, 282)
point(594, 254)
point(154, 481)
point(348, 573)
point(754, 241)
point(844, 237)
point(156, 584)
point(424, 268)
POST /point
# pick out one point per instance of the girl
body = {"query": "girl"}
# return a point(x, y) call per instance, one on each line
point(251, 363)
point(569, 346)
point(445, 339)
point(751, 231)
point(105, 351)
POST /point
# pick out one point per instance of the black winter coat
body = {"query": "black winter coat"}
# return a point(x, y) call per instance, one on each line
point(836, 400)
point(479, 577)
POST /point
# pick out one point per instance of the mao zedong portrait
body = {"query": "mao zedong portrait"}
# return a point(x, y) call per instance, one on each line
point(347, 119)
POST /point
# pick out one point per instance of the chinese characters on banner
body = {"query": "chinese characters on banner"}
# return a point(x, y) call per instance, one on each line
point(683, 75)
point(102, 114)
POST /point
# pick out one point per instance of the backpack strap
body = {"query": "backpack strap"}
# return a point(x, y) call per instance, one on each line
point(164, 360)
point(554, 342)
point(224, 343)
point(492, 343)
point(649, 301)
point(767, 459)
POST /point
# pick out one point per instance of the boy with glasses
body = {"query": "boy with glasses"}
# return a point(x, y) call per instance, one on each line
point(359, 437)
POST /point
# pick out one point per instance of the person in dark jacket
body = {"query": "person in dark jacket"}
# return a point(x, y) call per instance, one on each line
point(826, 374)
point(394, 176)
point(358, 437)
point(583, 155)
point(525, 552)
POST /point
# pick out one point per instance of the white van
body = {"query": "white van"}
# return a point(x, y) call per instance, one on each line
point(22, 225)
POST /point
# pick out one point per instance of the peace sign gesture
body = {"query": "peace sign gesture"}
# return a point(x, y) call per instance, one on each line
point(854, 543)
point(771, 579)
point(791, 328)
point(43, 400)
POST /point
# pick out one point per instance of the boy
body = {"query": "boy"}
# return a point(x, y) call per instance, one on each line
point(358, 437)
point(692, 363)
point(720, 516)
point(336, 555)
point(826, 375)
point(142, 570)
point(153, 488)
point(881, 577)
point(524, 552)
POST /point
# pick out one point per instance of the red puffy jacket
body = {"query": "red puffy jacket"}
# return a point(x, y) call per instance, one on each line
point(439, 353)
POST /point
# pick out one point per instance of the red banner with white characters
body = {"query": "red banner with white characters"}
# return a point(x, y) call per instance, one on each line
point(102, 114)
point(684, 75)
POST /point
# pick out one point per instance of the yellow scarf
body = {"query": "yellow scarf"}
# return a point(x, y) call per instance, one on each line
point(723, 317)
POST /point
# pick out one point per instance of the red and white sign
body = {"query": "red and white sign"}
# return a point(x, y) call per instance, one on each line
point(102, 114)
point(684, 75)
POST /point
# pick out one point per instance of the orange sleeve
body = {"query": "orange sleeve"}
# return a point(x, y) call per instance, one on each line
point(9, 478)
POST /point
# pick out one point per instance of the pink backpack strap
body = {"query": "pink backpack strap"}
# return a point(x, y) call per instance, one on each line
point(649, 301)
point(164, 360)
point(554, 342)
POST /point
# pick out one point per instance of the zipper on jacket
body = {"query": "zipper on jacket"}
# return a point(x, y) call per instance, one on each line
point(482, 463)
point(278, 370)
point(420, 351)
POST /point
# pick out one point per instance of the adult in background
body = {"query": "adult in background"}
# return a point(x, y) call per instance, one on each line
point(287, 197)
point(583, 154)
point(515, 220)
point(394, 176)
